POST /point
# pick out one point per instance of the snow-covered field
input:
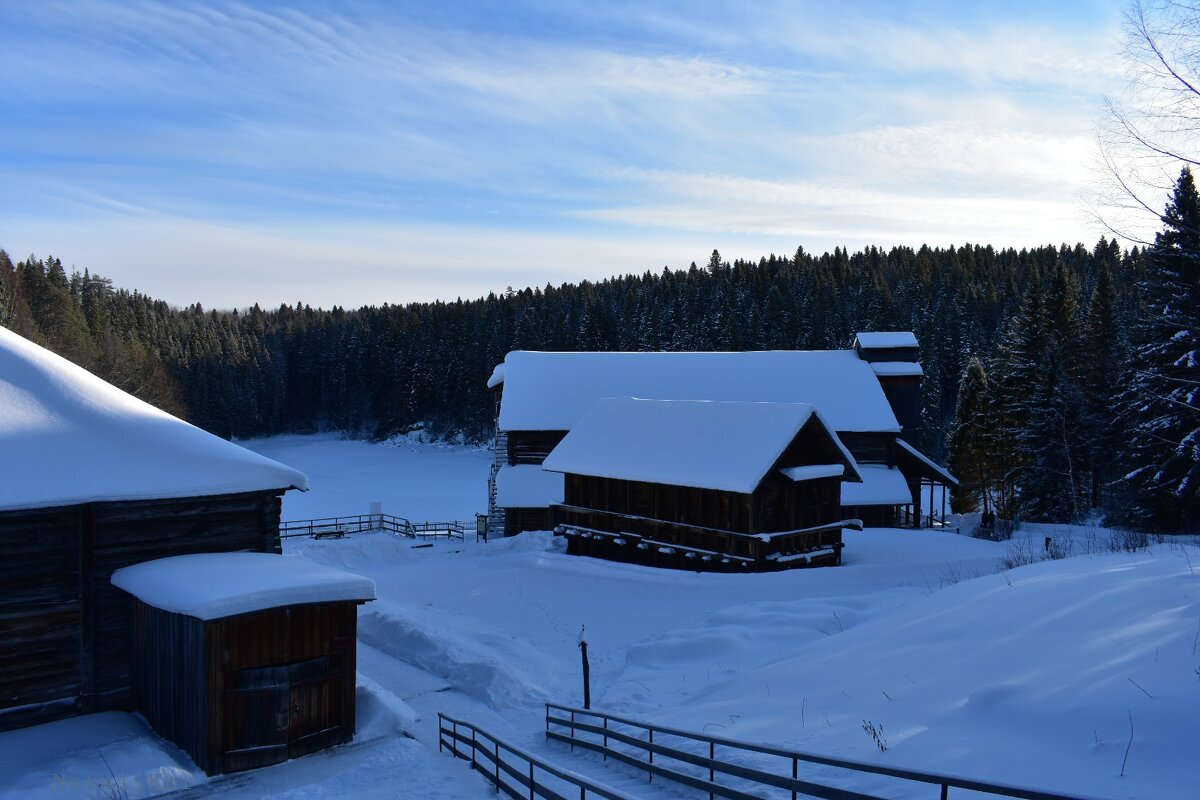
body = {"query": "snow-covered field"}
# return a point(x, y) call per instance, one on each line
point(1028, 676)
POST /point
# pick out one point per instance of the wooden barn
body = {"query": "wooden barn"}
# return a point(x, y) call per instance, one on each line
point(870, 395)
point(703, 485)
point(95, 480)
point(244, 659)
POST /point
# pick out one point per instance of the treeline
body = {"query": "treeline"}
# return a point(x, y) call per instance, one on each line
point(379, 371)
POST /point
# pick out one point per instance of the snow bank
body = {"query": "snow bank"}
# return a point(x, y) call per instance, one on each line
point(1028, 677)
point(214, 585)
point(552, 391)
point(79, 439)
point(499, 669)
point(96, 756)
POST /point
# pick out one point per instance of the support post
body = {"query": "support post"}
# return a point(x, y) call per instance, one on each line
point(587, 671)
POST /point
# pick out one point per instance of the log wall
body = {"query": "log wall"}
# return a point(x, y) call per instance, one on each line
point(64, 629)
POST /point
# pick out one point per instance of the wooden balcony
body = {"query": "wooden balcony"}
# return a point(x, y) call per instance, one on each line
point(627, 537)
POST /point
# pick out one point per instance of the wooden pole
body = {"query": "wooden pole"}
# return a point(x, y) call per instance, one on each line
point(587, 675)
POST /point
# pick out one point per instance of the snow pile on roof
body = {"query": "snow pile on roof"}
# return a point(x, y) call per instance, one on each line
point(941, 472)
point(78, 439)
point(814, 471)
point(497, 377)
point(728, 446)
point(881, 486)
point(884, 340)
point(214, 585)
point(527, 486)
point(889, 369)
point(552, 391)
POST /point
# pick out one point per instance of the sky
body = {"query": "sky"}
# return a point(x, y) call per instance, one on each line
point(361, 152)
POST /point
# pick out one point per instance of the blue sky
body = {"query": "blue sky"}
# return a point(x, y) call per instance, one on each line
point(362, 152)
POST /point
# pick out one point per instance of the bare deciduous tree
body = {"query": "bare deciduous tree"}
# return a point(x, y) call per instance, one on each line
point(1153, 129)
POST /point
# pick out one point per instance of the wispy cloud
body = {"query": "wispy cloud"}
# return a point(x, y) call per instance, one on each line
point(654, 125)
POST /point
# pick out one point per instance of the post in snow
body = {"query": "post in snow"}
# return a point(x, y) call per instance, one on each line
point(587, 677)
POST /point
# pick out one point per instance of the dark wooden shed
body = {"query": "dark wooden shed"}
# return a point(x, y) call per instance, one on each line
point(703, 485)
point(244, 659)
point(95, 480)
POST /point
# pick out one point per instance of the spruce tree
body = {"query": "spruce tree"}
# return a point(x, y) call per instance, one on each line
point(1161, 451)
point(967, 456)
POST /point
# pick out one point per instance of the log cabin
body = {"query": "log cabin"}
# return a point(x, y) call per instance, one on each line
point(870, 394)
point(703, 485)
point(93, 480)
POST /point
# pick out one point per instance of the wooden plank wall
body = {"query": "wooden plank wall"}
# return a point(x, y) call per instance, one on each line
point(168, 685)
point(65, 629)
point(39, 616)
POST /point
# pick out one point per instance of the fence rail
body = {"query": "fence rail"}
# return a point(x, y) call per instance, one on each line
point(338, 527)
point(601, 729)
point(514, 771)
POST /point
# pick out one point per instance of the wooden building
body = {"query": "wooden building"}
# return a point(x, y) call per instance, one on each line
point(244, 659)
point(646, 481)
point(95, 480)
point(870, 394)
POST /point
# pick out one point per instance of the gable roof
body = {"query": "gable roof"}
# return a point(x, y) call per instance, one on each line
point(552, 391)
point(69, 437)
point(729, 446)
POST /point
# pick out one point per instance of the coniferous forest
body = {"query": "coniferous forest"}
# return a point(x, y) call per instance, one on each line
point(1040, 364)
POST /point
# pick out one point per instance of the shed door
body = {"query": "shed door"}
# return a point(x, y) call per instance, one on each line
point(298, 704)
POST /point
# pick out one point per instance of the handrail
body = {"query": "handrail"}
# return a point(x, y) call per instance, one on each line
point(761, 537)
point(487, 747)
point(944, 780)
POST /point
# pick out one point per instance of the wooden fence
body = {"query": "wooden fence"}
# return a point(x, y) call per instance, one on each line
point(693, 759)
point(338, 527)
point(514, 771)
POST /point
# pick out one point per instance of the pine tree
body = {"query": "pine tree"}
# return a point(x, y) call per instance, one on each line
point(967, 456)
point(1102, 356)
point(1161, 450)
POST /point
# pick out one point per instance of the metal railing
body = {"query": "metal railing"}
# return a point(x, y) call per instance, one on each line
point(517, 773)
point(602, 729)
point(337, 527)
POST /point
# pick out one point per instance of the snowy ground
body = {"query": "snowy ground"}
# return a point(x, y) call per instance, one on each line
point(1028, 676)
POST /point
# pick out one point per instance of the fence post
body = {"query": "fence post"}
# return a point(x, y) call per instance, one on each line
point(454, 738)
point(795, 773)
point(606, 738)
point(572, 731)
point(945, 791)
point(472, 746)
point(651, 752)
point(712, 774)
point(531, 784)
point(440, 730)
point(496, 753)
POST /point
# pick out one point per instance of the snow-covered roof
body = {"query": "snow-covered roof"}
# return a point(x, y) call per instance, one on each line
point(497, 377)
point(214, 585)
point(881, 486)
point(883, 340)
point(528, 486)
point(941, 472)
point(552, 391)
point(897, 368)
point(814, 471)
point(721, 445)
point(69, 437)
